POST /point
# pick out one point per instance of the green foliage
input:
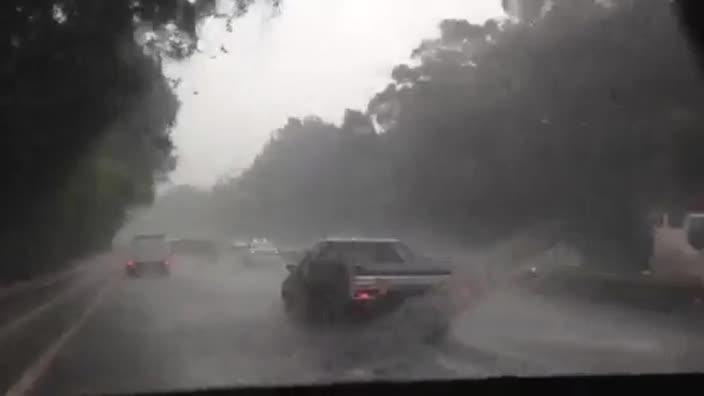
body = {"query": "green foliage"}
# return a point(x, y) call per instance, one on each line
point(589, 116)
point(309, 176)
point(85, 113)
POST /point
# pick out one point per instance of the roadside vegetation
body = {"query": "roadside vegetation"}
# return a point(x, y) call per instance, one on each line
point(588, 117)
point(86, 114)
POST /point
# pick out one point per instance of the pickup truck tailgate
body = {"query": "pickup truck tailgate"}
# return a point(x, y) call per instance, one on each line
point(384, 279)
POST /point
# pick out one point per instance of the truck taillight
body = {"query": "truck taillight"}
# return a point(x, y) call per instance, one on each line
point(364, 294)
point(361, 295)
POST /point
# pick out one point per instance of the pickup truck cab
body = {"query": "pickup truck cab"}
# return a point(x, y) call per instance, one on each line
point(344, 278)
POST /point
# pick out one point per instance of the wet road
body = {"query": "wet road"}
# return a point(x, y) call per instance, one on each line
point(206, 326)
point(222, 325)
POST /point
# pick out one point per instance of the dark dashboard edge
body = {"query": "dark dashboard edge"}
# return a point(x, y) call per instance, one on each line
point(558, 385)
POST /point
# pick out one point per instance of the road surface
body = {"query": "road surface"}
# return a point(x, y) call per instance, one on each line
point(222, 325)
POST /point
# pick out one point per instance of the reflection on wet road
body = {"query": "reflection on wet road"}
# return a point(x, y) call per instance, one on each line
point(215, 325)
point(218, 325)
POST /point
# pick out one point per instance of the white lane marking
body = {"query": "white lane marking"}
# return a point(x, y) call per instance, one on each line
point(28, 286)
point(36, 312)
point(50, 279)
point(29, 379)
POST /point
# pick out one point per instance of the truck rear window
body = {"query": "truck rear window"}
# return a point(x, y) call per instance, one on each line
point(149, 248)
point(369, 252)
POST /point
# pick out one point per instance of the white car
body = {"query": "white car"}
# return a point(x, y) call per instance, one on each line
point(260, 249)
point(239, 244)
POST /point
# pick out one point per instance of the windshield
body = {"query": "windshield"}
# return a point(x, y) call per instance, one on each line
point(352, 190)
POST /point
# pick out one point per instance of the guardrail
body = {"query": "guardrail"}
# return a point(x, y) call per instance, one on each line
point(635, 291)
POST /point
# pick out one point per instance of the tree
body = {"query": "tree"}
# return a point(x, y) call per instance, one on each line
point(589, 116)
point(86, 113)
point(312, 178)
point(582, 117)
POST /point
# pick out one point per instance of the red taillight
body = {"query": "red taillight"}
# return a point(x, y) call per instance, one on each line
point(130, 263)
point(360, 295)
point(364, 295)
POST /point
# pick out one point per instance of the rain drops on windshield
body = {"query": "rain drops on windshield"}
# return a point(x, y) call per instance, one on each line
point(232, 193)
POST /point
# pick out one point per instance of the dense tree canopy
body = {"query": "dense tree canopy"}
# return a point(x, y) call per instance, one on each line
point(85, 112)
point(311, 177)
point(590, 116)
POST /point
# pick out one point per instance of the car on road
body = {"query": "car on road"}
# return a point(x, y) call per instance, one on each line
point(260, 250)
point(239, 245)
point(148, 254)
point(340, 279)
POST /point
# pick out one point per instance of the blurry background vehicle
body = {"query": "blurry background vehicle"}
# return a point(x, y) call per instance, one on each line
point(239, 245)
point(148, 254)
point(261, 250)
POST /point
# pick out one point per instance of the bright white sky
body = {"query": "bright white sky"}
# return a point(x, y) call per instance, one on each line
point(317, 57)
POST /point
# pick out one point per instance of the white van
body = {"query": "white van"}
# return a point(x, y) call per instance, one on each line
point(149, 254)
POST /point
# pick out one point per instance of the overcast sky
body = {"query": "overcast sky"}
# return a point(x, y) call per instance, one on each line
point(316, 57)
